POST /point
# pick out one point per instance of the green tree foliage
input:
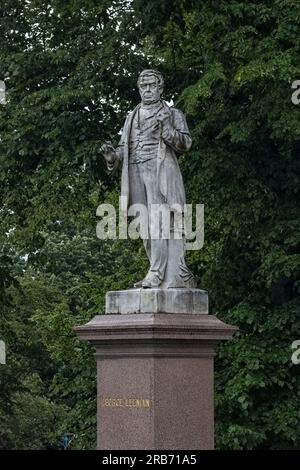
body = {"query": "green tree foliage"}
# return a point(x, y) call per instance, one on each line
point(70, 69)
point(235, 63)
point(67, 91)
point(28, 416)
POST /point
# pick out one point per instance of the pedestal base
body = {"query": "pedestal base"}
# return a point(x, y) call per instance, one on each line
point(155, 379)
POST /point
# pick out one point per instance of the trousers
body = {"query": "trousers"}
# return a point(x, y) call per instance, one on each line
point(143, 183)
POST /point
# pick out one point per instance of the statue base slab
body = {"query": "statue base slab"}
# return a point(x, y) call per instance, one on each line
point(173, 300)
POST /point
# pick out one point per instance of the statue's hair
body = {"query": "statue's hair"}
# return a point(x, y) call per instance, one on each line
point(149, 72)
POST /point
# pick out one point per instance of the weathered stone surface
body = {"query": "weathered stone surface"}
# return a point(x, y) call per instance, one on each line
point(189, 301)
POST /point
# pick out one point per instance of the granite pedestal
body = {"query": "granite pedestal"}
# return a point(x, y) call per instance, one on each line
point(155, 369)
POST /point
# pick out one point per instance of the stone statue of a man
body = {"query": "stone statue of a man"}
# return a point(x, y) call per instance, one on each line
point(153, 135)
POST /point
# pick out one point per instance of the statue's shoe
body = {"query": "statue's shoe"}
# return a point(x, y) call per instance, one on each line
point(139, 283)
point(150, 281)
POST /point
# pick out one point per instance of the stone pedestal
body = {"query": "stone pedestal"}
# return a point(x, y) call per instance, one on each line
point(155, 370)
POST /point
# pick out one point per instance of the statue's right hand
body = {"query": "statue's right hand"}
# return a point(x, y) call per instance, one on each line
point(108, 152)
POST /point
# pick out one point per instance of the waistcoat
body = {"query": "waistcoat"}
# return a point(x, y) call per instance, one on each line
point(144, 135)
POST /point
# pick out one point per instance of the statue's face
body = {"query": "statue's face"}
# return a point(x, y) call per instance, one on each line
point(149, 89)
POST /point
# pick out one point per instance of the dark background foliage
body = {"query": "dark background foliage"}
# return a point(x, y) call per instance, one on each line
point(70, 69)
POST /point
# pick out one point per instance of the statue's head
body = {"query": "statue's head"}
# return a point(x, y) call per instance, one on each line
point(151, 84)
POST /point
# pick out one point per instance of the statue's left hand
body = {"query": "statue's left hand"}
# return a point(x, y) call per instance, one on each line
point(163, 116)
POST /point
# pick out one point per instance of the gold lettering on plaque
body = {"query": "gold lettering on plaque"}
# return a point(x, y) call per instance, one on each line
point(117, 402)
